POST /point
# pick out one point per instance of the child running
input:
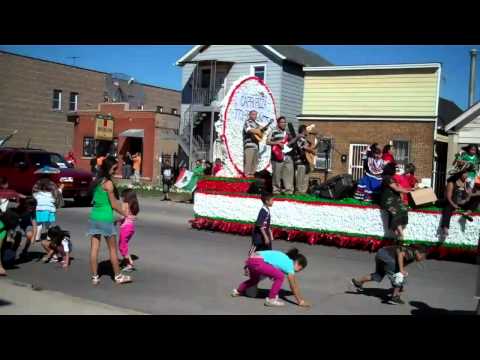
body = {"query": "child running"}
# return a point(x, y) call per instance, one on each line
point(275, 265)
point(391, 261)
point(131, 208)
point(58, 245)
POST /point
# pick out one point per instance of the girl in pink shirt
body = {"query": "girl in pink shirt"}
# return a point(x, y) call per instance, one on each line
point(127, 225)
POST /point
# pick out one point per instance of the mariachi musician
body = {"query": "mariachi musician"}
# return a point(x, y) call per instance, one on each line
point(253, 134)
point(304, 157)
point(250, 157)
point(282, 156)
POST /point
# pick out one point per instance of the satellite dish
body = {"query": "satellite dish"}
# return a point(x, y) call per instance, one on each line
point(123, 88)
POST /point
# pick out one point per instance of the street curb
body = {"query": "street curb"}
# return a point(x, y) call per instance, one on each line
point(74, 299)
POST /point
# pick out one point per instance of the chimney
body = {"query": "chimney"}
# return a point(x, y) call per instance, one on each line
point(473, 77)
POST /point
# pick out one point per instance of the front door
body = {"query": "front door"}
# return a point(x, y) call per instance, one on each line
point(355, 163)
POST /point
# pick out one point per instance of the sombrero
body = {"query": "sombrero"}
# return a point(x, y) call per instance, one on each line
point(462, 167)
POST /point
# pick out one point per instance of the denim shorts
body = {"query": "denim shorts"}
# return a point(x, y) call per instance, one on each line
point(100, 228)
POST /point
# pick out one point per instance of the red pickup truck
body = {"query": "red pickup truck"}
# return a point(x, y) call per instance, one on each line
point(19, 165)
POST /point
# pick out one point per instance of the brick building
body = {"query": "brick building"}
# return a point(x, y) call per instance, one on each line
point(151, 133)
point(354, 106)
point(38, 97)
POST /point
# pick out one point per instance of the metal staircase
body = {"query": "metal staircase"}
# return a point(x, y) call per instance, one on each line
point(186, 139)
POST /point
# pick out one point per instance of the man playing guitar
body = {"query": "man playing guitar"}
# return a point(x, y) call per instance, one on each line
point(303, 150)
point(250, 146)
point(282, 161)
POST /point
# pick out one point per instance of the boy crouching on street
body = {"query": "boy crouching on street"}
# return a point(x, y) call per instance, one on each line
point(391, 261)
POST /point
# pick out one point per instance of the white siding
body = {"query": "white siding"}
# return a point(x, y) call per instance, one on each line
point(292, 93)
point(470, 134)
point(273, 74)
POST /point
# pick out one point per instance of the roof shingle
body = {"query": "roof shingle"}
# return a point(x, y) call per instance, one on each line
point(300, 55)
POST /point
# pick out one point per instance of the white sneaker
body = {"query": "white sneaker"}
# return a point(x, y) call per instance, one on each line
point(273, 302)
point(235, 293)
point(128, 268)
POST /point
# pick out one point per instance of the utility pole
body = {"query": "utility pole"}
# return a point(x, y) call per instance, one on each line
point(73, 59)
point(473, 77)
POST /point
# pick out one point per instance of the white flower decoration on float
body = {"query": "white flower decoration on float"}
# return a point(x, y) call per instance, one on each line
point(366, 221)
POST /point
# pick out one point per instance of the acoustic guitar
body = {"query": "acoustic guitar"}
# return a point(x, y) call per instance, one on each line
point(312, 146)
point(308, 155)
point(259, 135)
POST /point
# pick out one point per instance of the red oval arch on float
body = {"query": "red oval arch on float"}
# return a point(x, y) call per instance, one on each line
point(225, 117)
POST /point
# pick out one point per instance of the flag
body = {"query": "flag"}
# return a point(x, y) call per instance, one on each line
point(186, 181)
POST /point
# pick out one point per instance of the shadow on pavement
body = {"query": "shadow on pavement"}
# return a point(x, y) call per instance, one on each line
point(105, 268)
point(423, 309)
point(4, 302)
point(263, 293)
point(31, 256)
point(382, 294)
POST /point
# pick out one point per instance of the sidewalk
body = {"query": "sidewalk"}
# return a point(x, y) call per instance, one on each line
point(22, 299)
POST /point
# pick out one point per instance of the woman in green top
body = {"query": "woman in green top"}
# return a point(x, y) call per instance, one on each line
point(102, 220)
point(469, 155)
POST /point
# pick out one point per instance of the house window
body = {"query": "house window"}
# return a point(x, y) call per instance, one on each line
point(159, 109)
point(57, 100)
point(259, 71)
point(73, 104)
point(401, 149)
point(174, 111)
point(323, 159)
point(88, 146)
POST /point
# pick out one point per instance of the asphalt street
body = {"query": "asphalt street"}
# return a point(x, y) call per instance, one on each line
point(186, 271)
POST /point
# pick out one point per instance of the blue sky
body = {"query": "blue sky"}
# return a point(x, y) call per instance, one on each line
point(155, 64)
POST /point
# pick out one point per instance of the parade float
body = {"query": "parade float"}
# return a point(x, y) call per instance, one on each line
point(230, 203)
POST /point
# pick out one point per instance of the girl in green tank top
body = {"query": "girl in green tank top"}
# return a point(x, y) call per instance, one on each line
point(102, 221)
point(102, 209)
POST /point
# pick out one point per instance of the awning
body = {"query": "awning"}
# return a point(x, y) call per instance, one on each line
point(135, 133)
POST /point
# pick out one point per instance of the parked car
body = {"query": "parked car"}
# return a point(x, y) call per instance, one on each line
point(19, 166)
